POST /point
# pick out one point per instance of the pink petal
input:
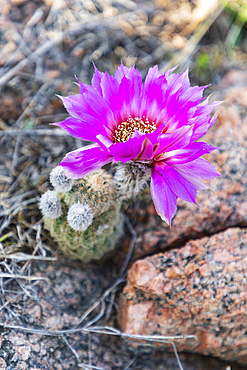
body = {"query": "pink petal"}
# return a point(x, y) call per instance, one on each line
point(68, 105)
point(153, 98)
point(203, 121)
point(193, 180)
point(165, 201)
point(81, 129)
point(109, 86)
point(176, 140)
point(199, 168)
point(104, 141)
point(84, 88)
point(94, 105)
point(152, 75)
point(96, 80)
point(178, 82)
point(126, 101)
point(187, 154)
point(92, 109)
point(127, 150)
point(196, 170)
point(130, 73)
point(147, 150)
point(179, 185)
point(83, 161)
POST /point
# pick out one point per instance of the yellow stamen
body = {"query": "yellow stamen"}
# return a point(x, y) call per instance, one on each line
point(126, 129)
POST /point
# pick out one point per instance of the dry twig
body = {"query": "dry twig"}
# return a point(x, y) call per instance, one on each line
point(75, 28)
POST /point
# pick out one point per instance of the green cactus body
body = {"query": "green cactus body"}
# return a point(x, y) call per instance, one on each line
point(93, 243)
point(98, 191)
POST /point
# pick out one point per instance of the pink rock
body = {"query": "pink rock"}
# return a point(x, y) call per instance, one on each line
point(199, 289)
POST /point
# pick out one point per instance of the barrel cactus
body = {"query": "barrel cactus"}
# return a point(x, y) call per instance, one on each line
point(84, 216)
point(90, 222)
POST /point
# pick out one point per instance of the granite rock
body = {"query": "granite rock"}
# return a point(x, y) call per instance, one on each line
point(199, 289)
point(58, 303)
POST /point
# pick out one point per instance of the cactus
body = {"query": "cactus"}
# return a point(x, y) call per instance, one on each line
point(94, 242)
point(91, 221)
point(83, 215)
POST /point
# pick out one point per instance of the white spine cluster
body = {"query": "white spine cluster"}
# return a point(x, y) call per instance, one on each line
point(80, 216)
point(50, 205)
point(131, 178)
point(60, 181)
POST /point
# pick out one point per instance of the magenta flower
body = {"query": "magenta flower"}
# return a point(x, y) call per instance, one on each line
point(155, 124)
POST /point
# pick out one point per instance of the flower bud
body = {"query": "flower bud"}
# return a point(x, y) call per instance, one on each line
point(131, 178)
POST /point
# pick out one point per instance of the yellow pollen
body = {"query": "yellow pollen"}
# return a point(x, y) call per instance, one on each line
point(126, 129)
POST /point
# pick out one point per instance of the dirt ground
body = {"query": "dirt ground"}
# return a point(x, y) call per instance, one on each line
point(43, 45)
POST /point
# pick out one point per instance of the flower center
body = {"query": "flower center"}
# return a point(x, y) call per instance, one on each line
point(126, 129)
